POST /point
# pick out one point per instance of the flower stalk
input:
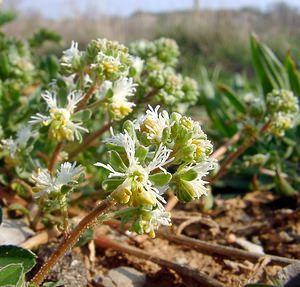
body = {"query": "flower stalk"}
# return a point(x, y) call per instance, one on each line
point(233, 156)
point(55, 156)
point(71, 240)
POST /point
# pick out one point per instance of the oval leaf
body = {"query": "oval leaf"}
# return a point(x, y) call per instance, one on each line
point(11, 275)
point(16, 255)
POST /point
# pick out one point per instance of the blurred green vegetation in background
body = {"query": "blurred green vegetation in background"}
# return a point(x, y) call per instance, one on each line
point(205, 37)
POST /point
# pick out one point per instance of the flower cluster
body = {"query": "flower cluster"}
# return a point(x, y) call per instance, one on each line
point(282, 107)
point(155, 152)
point(59, 119)
point(162, 51)
point(116, 96)
point(49, 186)
point(105, 65)
point(160, 58)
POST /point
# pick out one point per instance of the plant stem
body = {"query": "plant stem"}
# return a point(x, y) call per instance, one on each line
point(86, 98)
point(70, 241)
point(89, 140)
point(233, 156)
point(55, 156)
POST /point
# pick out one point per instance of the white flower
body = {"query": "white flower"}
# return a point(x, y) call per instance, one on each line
point(70, 54)
point(109, 63)
point(122, 89)
point(10, 145)
point(118, 103)
point(153, 123)
point(137, 64)
point(46, 184)
point(136, 177)
point(22, 137)
point(61, 125)
point(152, 219)
point(197, 186)
point(160, 218)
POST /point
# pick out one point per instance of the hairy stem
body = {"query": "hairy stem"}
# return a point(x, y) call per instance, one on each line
point(89, 140)
point(86, 98)
point(70, 241)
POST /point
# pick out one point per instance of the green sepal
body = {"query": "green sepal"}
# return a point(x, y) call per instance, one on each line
point(109, 94)
point(137, 227)
point(65, 189)
point(184, 195)
point(160, 179)
point(189, 175)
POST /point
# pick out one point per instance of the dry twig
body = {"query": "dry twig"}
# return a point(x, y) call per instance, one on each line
point(213, 248)
point(200, 277)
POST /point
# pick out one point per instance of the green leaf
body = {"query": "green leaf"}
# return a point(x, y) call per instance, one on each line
point(19, 207)
point(6, 17)
point(229, 93)
point(269, 69)
point(65, 189)
point(83, 115)
point(160, 179)
point(42, 36)
point(16, 255)
point(283, 186)
point(86, 237)
point(116, 161)
point(111, 184)
point(11, 275)
point(141, 152)
point(293, 74)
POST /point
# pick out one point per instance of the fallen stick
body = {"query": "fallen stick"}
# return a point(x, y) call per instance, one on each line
point(201, 278)
point(39, 239)
point(223, 149)
point(213, 248)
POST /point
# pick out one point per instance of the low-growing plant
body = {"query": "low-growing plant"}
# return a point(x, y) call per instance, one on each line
point(109, 88)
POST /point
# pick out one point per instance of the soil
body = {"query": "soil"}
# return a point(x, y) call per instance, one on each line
point(261, 218)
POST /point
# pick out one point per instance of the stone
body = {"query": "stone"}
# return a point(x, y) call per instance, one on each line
point(14, 232)
point(127, 277)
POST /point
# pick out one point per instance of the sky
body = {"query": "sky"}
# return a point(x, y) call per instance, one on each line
point(59, 8)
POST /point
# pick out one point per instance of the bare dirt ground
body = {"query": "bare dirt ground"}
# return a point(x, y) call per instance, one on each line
point(258, 222)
